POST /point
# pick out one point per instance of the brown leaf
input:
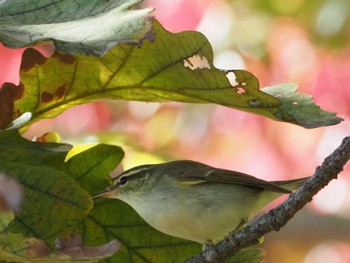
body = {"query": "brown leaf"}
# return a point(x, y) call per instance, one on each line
point(9, 93)
point(31, 58)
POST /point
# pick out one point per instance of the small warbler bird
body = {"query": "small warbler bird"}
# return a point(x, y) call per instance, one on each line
point(195, 201)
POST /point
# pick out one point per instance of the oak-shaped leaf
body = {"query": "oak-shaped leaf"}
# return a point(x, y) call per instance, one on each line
point(175, 67)
point(300, 106)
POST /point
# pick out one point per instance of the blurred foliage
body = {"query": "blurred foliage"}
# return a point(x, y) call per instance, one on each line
point(248, 255)
point(326, 21)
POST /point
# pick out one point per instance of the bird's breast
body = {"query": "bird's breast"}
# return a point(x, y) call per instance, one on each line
point(200, 214)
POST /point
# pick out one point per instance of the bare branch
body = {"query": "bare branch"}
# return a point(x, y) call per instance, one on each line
point(279, 216)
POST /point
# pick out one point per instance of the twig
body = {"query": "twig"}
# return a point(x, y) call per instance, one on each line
point(279, 216)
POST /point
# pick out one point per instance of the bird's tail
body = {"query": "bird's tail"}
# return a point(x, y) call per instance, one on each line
point(291, 184)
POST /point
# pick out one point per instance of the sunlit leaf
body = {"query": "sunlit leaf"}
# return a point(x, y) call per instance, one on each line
point(160, 71)
point(96, 163)
point(300, 107)
point(79, 26)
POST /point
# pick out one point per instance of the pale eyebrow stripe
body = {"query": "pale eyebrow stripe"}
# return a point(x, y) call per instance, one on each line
point(134, 171)
point(131, 173)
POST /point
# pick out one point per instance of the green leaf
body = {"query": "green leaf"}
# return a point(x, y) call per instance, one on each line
point(96, 163)
point(5, 219)
point(80, 26)
point(176, 67)
point(15, 148)
point(53, 199)
point(248, 255)
point(113, 219)
point(300, 107)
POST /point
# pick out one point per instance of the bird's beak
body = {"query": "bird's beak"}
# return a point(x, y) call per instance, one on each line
point(105, 194)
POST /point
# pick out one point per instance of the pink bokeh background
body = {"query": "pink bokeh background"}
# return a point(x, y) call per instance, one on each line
point(282, 51)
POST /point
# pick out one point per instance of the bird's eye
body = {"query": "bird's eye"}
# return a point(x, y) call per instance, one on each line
point(123, 180)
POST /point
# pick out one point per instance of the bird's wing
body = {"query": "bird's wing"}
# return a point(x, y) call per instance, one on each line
point(196, 176)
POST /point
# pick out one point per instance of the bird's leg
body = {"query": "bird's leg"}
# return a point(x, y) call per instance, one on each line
point(207, 245)
point(238, 227)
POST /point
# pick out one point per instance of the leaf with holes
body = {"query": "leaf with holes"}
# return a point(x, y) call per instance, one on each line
point(300, 106)
point(175, 67)
point(90, 27)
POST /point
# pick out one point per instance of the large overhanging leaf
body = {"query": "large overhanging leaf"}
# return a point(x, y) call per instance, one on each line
point(79, 26)
point(175, 67)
